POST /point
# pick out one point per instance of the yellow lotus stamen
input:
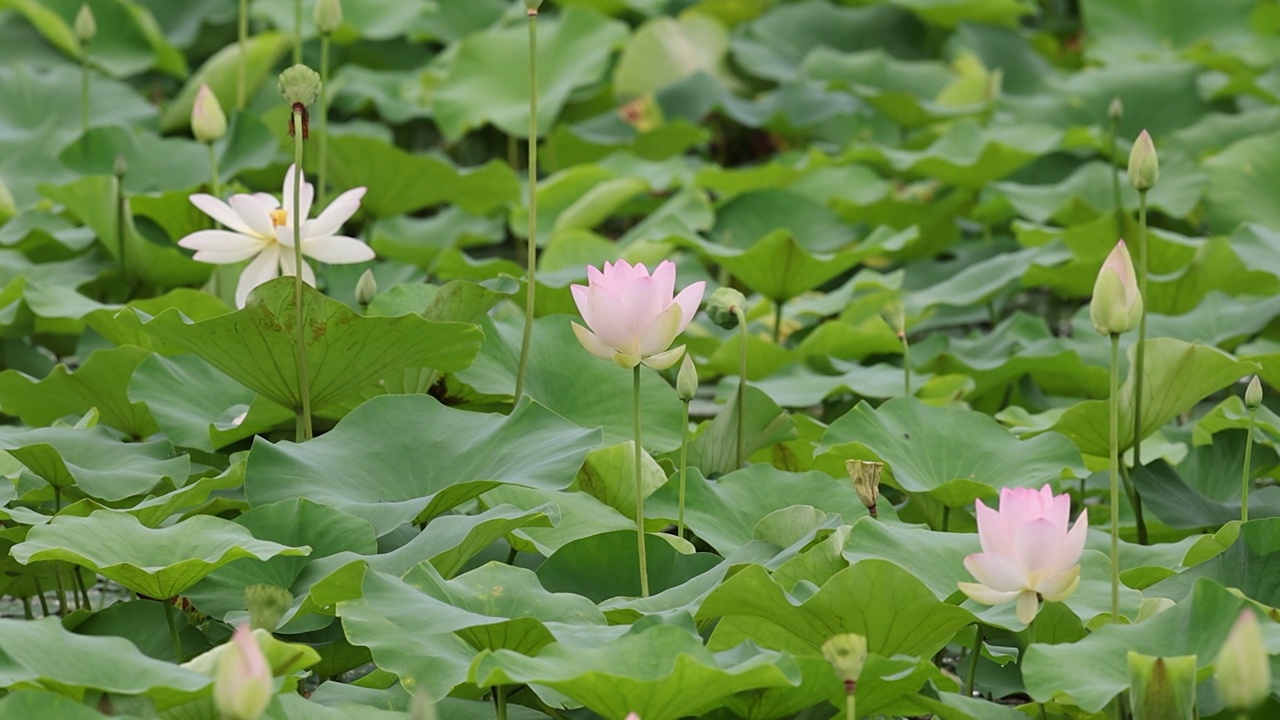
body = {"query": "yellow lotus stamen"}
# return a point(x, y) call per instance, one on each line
point(279, 217)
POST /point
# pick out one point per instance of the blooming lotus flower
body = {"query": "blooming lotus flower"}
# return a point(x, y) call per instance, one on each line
point(1027, 551)
point(632, 314)
point(1117, 304)
point(261, 228)
point(243, 688)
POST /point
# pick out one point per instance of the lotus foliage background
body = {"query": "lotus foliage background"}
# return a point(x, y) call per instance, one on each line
point(914, 197)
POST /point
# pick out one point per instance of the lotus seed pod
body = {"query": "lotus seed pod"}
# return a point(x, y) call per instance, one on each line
point(724, 307)
point(866, 481)
point(366, 288)
point(208, 122)
point(327, 16)
point(847, 653)
point(267, 605)
point(1242, 671)
point(687, 379)
point(1144, 164)
point(85, 26)
point(1162, 688)
point(895, 316)
point(299, 85)
point(532, 6)
point(1253, 394)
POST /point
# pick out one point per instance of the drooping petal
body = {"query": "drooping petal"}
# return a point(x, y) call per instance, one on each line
point(626, 361)
point(658, 335)
point(263, 268)
point(998, 572)
point(338, 212)
point(222, 241)
point(592, 343)
point(337, 250)
point(1038, 545)
point(992, 532)
point(664, 360)
point(1028, 606)
point(985, 595)
point(689, 299)
point(256, 214)
point(286, 196)
point(220, 211)
point(1060, 586)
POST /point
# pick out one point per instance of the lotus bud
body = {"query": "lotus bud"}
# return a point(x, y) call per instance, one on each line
point(1117, 305)
point(327, 16)
point(1162, 688)
point(726, 307)
point(866, 481)
point(1242, 672)
point(894, 315)
point(1253, 394)
point(299, 85)
point(85, 26)
point(1115, 110)
point(208, 122)
point(1144, 164)
point(267, 605)
point(847, 653)
point(243, 687)
point(366, 288)
point(687, 379)
point(121, 166)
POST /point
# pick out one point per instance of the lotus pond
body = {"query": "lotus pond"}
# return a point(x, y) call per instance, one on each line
point(643, 359)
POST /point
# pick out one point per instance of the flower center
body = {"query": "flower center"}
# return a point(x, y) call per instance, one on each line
point(279, 217)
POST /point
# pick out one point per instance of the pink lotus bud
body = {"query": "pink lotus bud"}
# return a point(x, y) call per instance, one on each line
point(1243, 668)
point(243, 687)
point(1144, 164)
point(1117, 304)
point(1028, 552)
point(208, 122)
point(632, 316)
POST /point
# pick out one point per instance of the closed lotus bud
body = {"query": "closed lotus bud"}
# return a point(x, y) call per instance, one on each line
point(1242, 672)
point(1115, 110)
point(687, 379)
point(1253, 394)
point(1117, 305)
point(299, 85)
point(1144, 164)
point(894, 315)
point(208, 122)
point(327, 16)
point(85, 26)
point(847, 653)
point(243, 687)
point(1162, 688)
point(267, 605)
point(120, 167)
point(366, 288)
point(725, 306)
point(866, 481)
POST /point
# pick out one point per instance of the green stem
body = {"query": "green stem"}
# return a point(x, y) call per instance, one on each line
point(777, 322)
point(173, 629)
point(244, 54)
point(214, 188)
point(740, 447)
point(84, 89)
point(500, 701)
point(1139, 362)
point(26, 609)
point(297, 32)
point(532, 254)
point(1114, 402)
point(684, 460)
point(972, 676)
point(851, 706)
point(1115, 167)
point(304, 384)
point(57, 566)
point(324, 119)
point(44, 602)
point(635, 419)
point(906, 365)
point(946, 517)
point(1248, 458)
point(118, 187)
point(87, 604)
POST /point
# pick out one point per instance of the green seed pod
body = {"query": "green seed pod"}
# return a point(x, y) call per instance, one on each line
point(267, 605)
point(847, 653)
point(724, 307)
point(299, 85)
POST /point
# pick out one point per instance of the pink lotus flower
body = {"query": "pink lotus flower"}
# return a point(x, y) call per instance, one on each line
point(1027, 551)
point(243, 687)
point(632, 315)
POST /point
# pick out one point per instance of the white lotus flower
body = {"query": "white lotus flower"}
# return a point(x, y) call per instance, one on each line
point(260, 227)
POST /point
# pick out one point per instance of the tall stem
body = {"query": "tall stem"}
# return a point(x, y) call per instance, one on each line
point(297, 32)
point(118, 187)
point(635, 419)
point(1115, 167)
point(173, 629)
point(1248, 458)
point(57, 565)
point(906, 364)
point(740, 447)
point(972, 675)
point(684, 467)
point(777, 322)
point(1139, 362)
point(244, 54)
point(1115, 477)
point(84, 89)
point(851, 706)
point(214, 188)
point(532, 254)
point(304, 383)
point(500, 701)
point(321, 188)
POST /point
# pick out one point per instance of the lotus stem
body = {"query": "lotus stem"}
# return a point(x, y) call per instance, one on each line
point(1248, 458)
point(971, 676)
point(57, 565)
point(851, 706)
point(906, 363)
point(1139, 369)
point(84, 89)
point(244, 54)
point(1115, 477)
point(532, 254)
point(684, 467)
point(297, 32)
point(500, 701)
point(1112, 134)
point(635, 419)
point(214, 188)
point(777, 322)
point(304, 431)
point(740, 456)
point(321, 188)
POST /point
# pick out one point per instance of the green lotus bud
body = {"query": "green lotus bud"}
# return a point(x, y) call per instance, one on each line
point(366, 288)
point(1115, 110)
point(327, 16)
point(120, 167)
point(8, 207)
point(267, 605)
point(208, 122)
point(85, 25)
point(1162, 688)
point(1242, 671)
point(687, 379)
point(726, 307)
point(895, 316)
point(1117, 304)
point(847, 653)
point(1144, 164)
point(1253, 394)
point(299, 85)
point(866, 481)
